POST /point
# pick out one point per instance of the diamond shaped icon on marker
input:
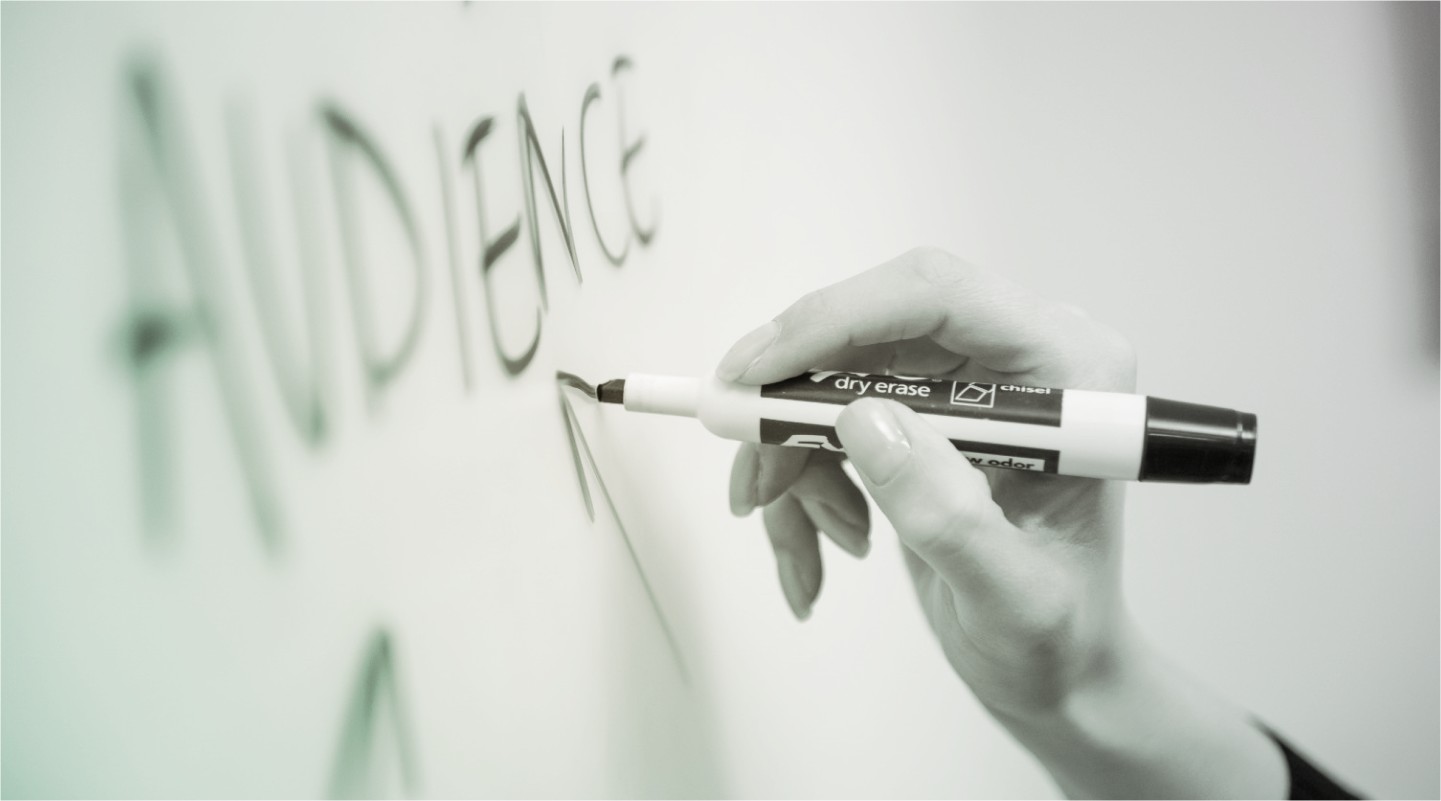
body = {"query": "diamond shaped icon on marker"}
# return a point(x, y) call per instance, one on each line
point(973, 394)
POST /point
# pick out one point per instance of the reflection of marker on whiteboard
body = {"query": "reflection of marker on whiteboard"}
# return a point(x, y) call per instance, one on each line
point(1068, 431)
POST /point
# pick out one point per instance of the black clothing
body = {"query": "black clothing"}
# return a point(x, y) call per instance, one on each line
point(1307, 780)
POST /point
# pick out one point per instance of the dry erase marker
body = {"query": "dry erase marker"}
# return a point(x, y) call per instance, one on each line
point(1072, 432)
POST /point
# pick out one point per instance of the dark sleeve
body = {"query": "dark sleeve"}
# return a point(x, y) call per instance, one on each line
point(1307, 780)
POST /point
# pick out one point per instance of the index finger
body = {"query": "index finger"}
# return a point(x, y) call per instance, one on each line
point(923, 293)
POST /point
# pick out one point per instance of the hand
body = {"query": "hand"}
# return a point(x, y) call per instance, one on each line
point(1018, 574)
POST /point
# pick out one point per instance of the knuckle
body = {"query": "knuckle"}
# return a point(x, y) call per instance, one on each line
point(1124, 354)
point(1046, 628)
point(1118, 355)
point(1075, 310)
point(816, 305)
point(1050, 618)
point(1109, 356)
point(936, 267)
point(927, 253)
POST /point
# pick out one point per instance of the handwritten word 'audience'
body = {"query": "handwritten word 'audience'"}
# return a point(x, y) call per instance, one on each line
point(167, 215)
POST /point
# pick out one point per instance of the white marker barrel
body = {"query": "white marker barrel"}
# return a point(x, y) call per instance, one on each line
point(1038, 429)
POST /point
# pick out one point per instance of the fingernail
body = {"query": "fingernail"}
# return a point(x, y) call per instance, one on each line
point(744, 354)
point(874, 440)
point(792, 585)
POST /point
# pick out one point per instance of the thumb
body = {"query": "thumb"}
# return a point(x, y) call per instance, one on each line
point(939, 504)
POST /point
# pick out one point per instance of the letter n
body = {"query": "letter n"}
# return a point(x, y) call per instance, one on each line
point(530, 155)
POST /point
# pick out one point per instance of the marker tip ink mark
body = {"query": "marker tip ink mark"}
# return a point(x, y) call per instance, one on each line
point(574, 382)
point(580, 451)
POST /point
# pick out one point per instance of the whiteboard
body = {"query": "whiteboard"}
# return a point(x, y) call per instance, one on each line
point(294, 505)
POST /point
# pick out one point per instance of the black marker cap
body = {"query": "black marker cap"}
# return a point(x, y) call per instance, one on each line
point(1191, 443)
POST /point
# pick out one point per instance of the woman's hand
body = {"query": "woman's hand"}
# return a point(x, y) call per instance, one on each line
point(1019, 574)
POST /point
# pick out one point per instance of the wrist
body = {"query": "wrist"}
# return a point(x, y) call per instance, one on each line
point(1134, 725)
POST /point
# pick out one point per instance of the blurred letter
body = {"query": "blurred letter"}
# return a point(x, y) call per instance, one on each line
point(492, 250)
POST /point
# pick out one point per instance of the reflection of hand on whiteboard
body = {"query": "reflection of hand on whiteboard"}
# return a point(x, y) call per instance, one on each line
point(1018, 574)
